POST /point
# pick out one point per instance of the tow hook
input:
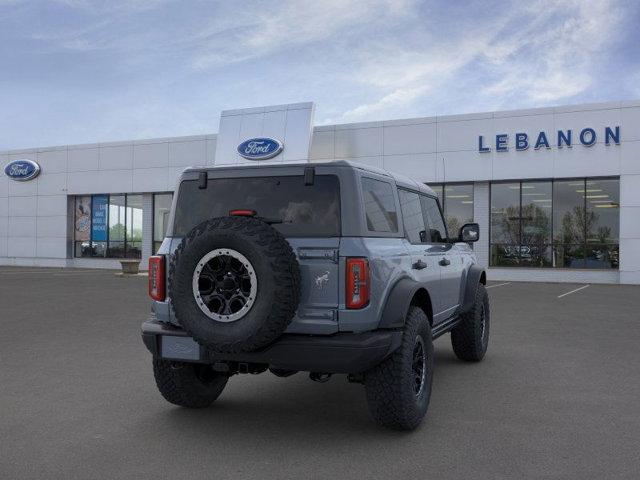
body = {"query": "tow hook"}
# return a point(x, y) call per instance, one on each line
point(320, 377)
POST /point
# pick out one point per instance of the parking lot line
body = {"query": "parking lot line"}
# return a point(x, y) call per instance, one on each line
point(498, 285)
point(573, 291)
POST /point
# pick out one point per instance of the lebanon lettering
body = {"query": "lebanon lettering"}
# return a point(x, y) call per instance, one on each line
point(562, 139)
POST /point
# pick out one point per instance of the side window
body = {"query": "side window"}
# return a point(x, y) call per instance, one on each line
point(412, 216)
point(436, 231)
point(379, 205)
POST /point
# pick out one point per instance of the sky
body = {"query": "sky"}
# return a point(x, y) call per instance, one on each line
point(80, 71)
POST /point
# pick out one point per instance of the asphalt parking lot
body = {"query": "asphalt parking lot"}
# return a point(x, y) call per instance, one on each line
point(558, 395)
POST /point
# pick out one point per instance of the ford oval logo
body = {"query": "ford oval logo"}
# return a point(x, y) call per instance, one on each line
point(260, 148)
point(22, 170)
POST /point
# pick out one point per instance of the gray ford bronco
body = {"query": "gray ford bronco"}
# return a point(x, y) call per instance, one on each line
point(332, 268)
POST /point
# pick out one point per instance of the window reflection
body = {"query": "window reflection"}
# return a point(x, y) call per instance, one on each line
point(161, 210)
point(603, 223)
point(82, 226)
point(108, 226)
point(536, 200)
point(565, 224)
point(134, 226)
point(457, 204)
point(380, 209)
point(433, 219)
point(505, 224)
point(117, 216)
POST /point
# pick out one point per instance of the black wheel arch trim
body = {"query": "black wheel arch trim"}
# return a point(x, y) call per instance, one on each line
point(475, 276)
point(398, 302)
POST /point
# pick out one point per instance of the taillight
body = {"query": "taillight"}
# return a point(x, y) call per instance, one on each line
point(357, 282)
point(156, 278)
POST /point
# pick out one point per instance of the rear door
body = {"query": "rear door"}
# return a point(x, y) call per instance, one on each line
point(424, 267)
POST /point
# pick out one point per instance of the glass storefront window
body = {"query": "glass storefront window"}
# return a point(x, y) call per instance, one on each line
point(505, 224)
point(82, 226)
point(569, 223)
point(536, 219)
point(603, 223)
point(108, 226)
point(564, 224)
point(457, 204)
point(117, 219)
point(134, 226)
point(161, 210)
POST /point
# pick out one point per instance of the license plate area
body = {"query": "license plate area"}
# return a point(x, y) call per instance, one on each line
point(179, 348)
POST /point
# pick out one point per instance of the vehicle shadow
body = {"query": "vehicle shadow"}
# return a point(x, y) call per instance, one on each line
point(292, 406)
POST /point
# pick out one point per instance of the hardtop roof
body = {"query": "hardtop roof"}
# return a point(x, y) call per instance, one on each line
point(400, 180)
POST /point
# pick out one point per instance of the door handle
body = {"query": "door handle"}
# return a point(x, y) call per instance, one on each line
point(419, 265)
point(444, 262)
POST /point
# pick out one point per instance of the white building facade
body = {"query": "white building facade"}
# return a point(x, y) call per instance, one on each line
point(556, 191)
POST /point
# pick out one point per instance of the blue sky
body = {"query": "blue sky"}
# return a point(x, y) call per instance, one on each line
point(76, 71)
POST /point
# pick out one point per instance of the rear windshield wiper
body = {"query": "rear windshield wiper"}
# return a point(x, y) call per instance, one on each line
point(270, 221)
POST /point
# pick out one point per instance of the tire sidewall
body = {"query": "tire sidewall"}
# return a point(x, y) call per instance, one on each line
point(483, 309)
point(423, 330)
point(467, 337)
point(224, 336)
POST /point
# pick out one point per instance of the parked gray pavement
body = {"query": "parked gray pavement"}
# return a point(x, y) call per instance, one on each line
point(558, 396)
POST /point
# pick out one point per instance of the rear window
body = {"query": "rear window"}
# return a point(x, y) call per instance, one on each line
point(379, 205)
point(300, 210)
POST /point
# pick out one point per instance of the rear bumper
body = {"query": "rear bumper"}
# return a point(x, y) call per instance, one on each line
point(338, 353)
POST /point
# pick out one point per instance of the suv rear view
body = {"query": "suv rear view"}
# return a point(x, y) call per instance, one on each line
point(294, 268)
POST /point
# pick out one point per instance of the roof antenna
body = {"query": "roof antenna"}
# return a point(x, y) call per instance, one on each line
point(444, 171)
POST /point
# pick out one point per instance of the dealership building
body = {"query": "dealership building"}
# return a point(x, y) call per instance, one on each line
point(556, 190)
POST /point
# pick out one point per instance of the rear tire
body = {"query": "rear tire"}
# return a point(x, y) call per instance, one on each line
point(398, 389)
point(470, 338)
point(190, 385)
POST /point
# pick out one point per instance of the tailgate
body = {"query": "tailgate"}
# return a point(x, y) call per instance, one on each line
point(320, 284)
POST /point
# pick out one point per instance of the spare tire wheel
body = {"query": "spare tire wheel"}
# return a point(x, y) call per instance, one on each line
point(234, 283)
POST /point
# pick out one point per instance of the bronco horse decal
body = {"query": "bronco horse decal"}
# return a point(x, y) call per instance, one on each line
point(322, 279)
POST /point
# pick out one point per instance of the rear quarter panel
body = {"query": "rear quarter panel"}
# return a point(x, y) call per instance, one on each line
point(389, 261)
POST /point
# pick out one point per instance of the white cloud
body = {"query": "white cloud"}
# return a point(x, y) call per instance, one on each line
point(406, 76)
point(254, 33)
point(158, 68)
point(554, 63)
point(543, 52)
point(397, 98)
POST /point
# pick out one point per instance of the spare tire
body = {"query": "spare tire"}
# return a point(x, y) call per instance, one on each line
point(234, 283)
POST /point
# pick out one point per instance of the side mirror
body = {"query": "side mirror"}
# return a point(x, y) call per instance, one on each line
point(470, 232)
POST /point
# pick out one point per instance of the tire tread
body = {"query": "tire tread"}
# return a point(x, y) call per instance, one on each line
point(182, 387)
point(466, 336)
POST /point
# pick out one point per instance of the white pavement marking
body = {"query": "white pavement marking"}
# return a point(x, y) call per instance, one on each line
point(498, 285)
point(573, 291)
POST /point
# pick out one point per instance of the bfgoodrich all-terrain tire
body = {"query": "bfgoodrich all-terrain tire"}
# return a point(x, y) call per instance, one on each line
point(470, 338)
point(398, 390)
point(190, 385)
point(234, 284)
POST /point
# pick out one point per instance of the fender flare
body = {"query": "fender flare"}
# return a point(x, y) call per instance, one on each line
point(475, 276)
point(397, 304)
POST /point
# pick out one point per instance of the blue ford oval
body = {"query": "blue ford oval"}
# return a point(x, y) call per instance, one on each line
point(260, 148)
point(22, 170)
